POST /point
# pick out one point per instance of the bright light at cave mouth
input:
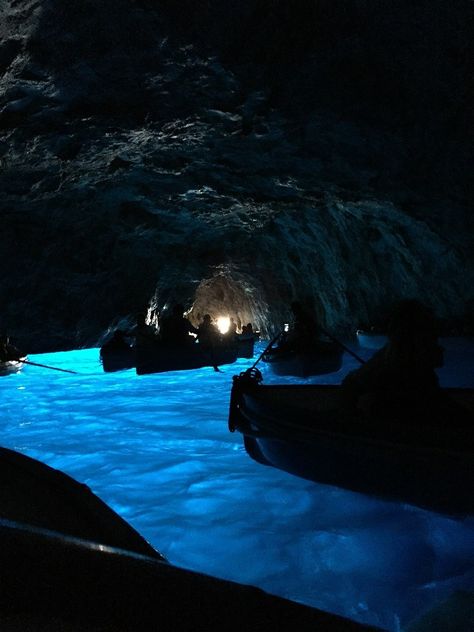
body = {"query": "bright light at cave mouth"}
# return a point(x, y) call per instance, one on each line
point(223, 324)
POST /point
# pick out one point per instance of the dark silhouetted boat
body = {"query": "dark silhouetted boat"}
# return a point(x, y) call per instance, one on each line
point(322, 358)
point(300, 429)
point(54, 582)
point(41, 496)
point(161, 357)
point(117, 360)
point(12, 366)
point(245, 345)
point(69, 562)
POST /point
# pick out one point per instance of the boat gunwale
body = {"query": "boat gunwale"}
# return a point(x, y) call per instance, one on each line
point(278, 427)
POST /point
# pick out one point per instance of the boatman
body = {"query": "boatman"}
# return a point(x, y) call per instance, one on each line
point(209, 337)
point(304, 331)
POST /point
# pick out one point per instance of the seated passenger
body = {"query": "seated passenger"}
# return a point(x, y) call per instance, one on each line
point(142, 333)
point(247, 331)
point(116, 344)
point(231, 333)
point(303, 332)
point(208, 337)
point(175, 328)
point(232, 327)
point(399, 381)
point(207, 334)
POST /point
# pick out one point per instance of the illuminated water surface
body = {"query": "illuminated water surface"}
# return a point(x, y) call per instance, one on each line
point(157, 450)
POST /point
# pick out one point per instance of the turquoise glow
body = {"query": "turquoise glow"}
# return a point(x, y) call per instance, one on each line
point(156, 448)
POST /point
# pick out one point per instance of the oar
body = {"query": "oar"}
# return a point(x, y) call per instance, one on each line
point(45, 366)
point(338, 342)
point(212, 359)
point(272, 342)
point(214, 363)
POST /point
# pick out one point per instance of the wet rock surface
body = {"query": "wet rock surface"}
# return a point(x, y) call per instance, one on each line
point(140, 167)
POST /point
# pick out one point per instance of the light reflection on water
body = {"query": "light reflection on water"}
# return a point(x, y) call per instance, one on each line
point(156, 448)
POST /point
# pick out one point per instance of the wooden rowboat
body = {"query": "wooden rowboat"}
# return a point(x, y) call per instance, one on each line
point(41, 496)
point(54, 582)
point(245, 345)
point(69, 562)
point(12, 366)
point(300, 429)
point(117, 360)
point(160, 357)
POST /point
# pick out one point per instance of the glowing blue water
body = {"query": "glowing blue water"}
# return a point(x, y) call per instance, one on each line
point(156, 448)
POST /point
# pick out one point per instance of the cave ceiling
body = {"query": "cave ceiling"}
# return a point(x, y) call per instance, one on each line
point(140, 168)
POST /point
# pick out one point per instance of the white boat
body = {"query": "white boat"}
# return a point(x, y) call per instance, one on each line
point(12, 366)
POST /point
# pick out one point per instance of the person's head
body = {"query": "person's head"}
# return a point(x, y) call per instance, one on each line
point(207, 319)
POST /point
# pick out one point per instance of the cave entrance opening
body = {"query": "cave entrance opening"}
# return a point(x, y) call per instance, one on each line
point(223, 297)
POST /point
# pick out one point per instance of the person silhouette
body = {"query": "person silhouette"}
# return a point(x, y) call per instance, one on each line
point(207, 333)
point(247, 329)
point(208, 337)
point(116, 343)
point(143, 333)
point(175, 328)
point(303, 332)
point(399, 381)
point(232, 331)
point(8, 351)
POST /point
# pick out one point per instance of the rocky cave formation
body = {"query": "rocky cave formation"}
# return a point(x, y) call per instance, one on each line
point(231, 157)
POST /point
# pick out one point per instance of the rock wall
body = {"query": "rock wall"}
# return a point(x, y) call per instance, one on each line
point(139, 168)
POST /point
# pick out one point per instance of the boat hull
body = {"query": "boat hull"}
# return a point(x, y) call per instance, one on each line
point(389, 461)
point(160, 358)
point(51, 582)
point(41, 496)
point(118, 360)
point(245, 346)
